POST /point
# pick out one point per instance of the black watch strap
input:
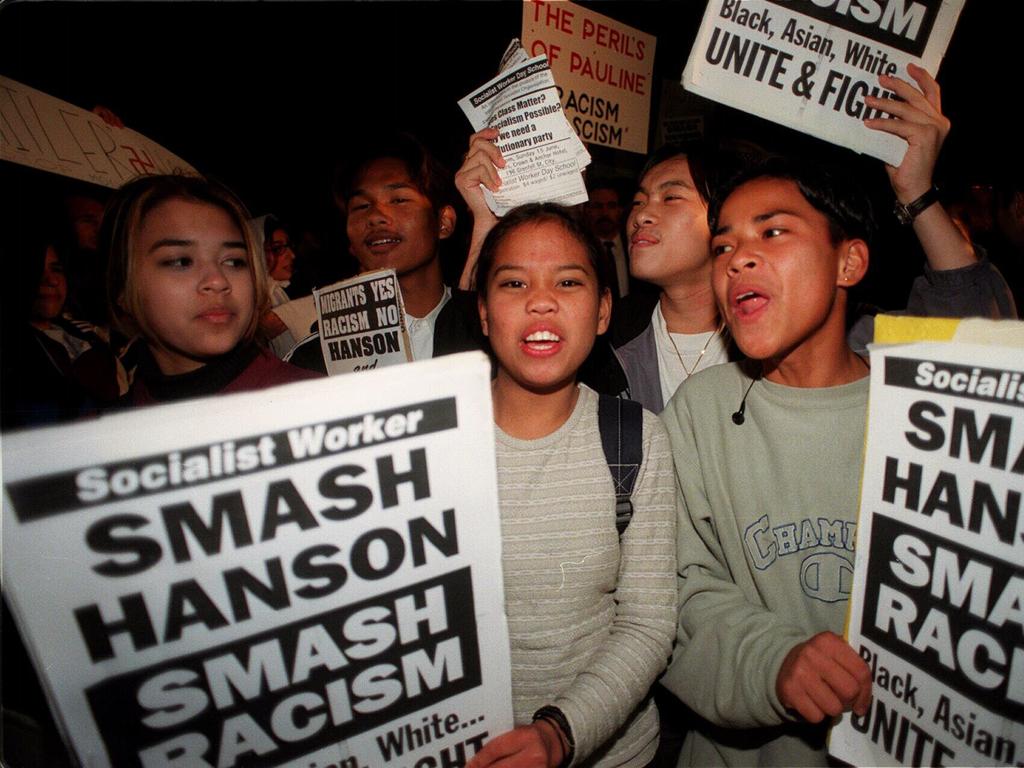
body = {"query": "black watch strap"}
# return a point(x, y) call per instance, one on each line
point(557, 718)
point(907, 213)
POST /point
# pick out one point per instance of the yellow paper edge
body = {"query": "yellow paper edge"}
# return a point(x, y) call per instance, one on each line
point(892, 329)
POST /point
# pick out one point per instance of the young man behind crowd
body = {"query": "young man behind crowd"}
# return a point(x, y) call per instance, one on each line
point(397, 203)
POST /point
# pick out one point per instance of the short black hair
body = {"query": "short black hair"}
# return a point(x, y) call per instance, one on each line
point(702, 159)
point(836, 195)
point(429, 176)
point(535, 213)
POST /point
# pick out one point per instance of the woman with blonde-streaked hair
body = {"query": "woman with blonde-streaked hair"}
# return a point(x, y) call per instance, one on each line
point(184, 275)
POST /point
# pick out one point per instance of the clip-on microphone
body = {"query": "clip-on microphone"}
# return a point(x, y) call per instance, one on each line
point(738, 418)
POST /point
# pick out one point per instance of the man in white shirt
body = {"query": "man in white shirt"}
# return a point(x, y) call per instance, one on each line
point(395, 197)
point(604, 212)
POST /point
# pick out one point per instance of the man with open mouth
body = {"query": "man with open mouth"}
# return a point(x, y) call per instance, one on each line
point(396, 199)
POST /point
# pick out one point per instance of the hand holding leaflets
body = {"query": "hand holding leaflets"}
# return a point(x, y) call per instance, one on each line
point(543, 157)
point(479, 171)
point(524, 150)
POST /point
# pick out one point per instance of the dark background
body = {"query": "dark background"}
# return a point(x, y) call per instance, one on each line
point(268, 96)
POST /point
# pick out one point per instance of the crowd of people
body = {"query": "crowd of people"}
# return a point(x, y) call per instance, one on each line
point(716, 293)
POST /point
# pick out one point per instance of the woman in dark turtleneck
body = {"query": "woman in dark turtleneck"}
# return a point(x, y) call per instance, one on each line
point(185, 277)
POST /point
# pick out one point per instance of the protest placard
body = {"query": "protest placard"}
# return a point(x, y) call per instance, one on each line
point(362, 323)
point(807, 64)
point(603, 68)
point(681, 115)
point(303, 576)
point(41, 131)
point(937, 605)
point(544, 157)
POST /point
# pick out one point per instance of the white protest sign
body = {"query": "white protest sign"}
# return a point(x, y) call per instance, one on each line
point(937, 606)
point(362, 323)
point(603, 67)
point(41, 131)
point(544, 158)
point(807, 64)
point(304, 576)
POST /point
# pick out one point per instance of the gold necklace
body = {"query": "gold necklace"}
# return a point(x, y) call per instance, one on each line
point(700, 355)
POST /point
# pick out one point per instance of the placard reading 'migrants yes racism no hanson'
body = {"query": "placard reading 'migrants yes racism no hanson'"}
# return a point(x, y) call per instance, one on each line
point(807, 64)
point(362, 323)
point(306, 575)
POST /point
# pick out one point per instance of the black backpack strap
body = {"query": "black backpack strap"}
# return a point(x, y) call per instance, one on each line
point(621, 423)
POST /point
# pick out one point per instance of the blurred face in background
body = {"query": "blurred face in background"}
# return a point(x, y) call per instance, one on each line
point(52, 293)
point(85, 215)
point(604, 212)
point(280, 256)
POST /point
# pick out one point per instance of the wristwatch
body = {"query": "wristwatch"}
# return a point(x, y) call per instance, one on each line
point(557, 719)
point(907, 213)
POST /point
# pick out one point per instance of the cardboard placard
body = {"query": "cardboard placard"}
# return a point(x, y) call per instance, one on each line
point(305, 575)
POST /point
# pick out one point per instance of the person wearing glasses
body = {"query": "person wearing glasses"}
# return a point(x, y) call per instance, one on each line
point(270, 234)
